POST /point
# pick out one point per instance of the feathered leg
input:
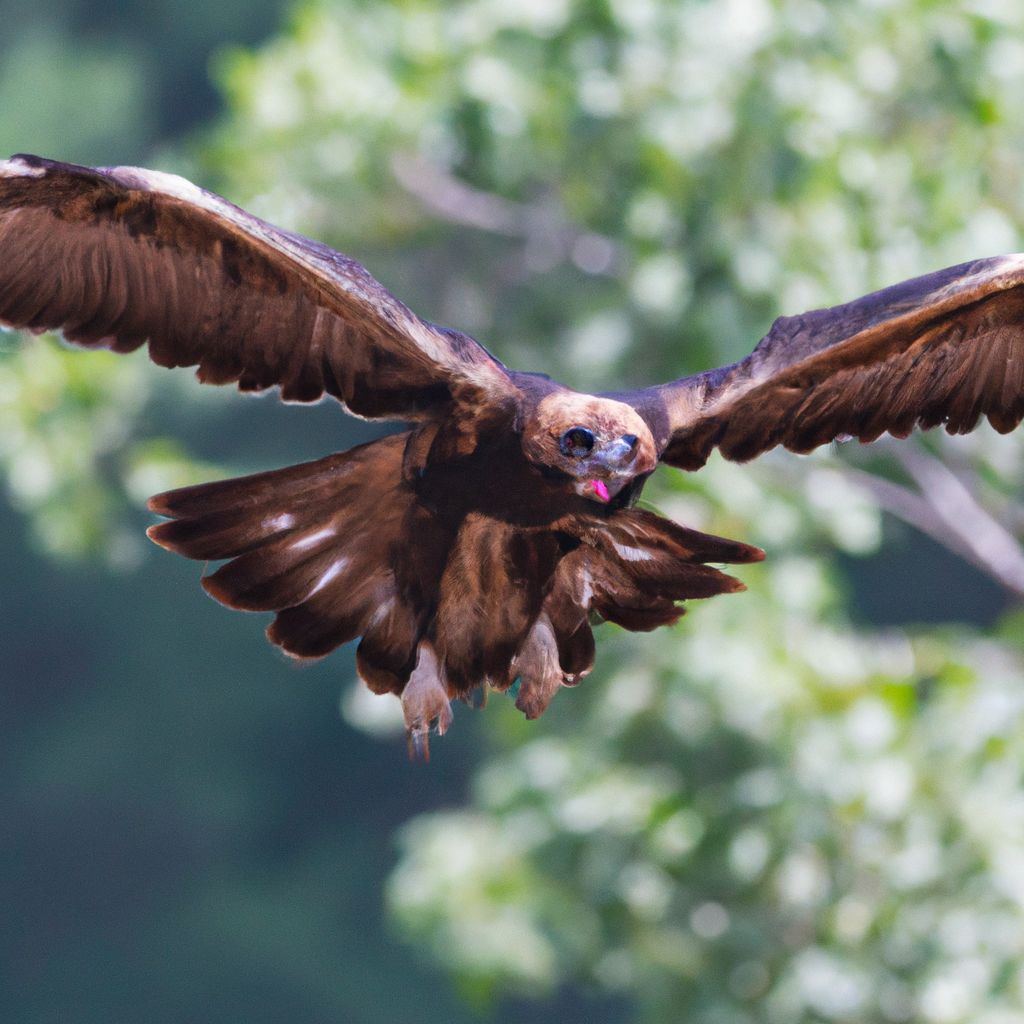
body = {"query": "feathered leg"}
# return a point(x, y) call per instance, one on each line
point(491, 594)
point(425, 701)
point(536, 664)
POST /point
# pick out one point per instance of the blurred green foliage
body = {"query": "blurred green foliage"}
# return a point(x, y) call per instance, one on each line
point(767, 813)
point(775, 811)
point(103, 82)
point(94, 110)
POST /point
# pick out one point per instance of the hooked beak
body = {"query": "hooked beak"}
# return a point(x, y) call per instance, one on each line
point(608, 469)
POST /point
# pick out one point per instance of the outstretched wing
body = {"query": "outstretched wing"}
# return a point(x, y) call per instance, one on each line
point(121, 256)
point(946, 348)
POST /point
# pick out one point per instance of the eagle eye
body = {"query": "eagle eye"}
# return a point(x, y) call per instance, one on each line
point(577, 442)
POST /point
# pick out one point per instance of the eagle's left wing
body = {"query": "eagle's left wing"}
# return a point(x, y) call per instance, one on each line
point(946, 348)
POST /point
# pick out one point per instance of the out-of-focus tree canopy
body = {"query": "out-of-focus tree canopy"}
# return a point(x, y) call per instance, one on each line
point(767, 813)
point(779, 810)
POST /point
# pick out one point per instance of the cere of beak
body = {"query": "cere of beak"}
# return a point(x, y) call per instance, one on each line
point(618, 453)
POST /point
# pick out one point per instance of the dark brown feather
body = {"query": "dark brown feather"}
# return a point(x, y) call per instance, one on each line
point(944, 349)
point(148, 256)
point(315, 543)
point(643, 565)
point(491, 593)
point(632, 568)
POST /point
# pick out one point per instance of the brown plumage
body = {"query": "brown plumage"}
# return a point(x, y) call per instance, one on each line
point(475, 550)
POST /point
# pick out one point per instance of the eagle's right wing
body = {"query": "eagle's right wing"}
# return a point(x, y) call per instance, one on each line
point(119, 257)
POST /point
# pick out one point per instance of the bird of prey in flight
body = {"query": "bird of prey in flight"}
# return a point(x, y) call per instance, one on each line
point(476, 549)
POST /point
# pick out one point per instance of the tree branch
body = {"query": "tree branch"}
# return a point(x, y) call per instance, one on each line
point(945, 509)
point(549, 235)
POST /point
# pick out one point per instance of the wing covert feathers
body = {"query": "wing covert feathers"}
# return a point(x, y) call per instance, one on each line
point(119, 257)
point(944, 349)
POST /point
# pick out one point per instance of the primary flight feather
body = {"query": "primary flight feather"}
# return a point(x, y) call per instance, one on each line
point(476, 548)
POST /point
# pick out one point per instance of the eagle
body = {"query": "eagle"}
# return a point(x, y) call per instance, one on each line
point(475, 550)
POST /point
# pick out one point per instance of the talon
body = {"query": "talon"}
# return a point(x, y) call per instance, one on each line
point(574, 678)
point(477, 697)
point(444, 718)
point(419, 745)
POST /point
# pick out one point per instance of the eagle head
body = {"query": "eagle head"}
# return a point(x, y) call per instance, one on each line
point(599, 443)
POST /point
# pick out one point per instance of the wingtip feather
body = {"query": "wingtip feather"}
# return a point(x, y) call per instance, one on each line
point(158, 533)
point(160, 504)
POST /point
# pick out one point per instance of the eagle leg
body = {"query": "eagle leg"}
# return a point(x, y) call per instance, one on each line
point(425, 701)
point(538, 668)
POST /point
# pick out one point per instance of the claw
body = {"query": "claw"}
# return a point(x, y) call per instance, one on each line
point(574, 678)
point(425, 703)
point(419, 745)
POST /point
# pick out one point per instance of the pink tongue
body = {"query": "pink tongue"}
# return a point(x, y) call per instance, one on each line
point(600, 490)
